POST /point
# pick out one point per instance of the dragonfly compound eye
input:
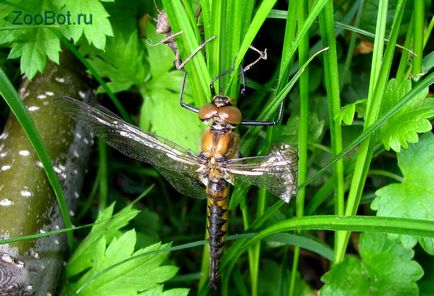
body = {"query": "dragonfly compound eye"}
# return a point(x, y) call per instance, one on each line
point(207, 112)
point(230, 114)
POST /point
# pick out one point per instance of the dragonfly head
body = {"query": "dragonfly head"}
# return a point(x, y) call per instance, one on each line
point(220, 111)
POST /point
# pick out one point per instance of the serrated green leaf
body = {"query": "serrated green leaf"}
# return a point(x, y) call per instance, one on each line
point(31, 45)
point(97, 28)
point(370, 12)
point(288, 133)
point(413, 118)
point(160, 57)
point(414, 196)
point(182, 126)
point(106, 226)
point(385, 268)
point(122, 62)
point(113, 274)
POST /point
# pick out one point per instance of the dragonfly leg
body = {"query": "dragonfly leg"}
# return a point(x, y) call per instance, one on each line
point(211, 85)
point(243, 82)
point(265, 123)
point(181, 101)
point(181, 66)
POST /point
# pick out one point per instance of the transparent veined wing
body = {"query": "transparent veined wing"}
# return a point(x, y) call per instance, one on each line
point(276, 172)
point(177, 164)
point(184, 184)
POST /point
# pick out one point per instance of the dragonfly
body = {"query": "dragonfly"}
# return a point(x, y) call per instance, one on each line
point(204, 175)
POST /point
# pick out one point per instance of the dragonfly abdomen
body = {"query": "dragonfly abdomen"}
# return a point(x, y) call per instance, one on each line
point(217, 226)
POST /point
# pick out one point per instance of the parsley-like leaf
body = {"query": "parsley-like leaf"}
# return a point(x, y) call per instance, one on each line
point(289, 133)
point(106, 226)
point(122, 62)
point(31, 45)
point(111, 274)
point(413, 197)
point(385, 268)
point(403, 127)
point(90, 18)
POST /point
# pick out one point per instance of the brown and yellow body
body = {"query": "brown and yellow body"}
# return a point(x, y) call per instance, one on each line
point(219, 144)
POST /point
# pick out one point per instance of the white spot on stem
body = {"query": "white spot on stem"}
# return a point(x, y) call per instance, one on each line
point(5, 202)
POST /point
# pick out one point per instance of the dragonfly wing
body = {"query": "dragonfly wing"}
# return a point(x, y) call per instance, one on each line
point(172, 160)
point(184, 184)
point(276, 172)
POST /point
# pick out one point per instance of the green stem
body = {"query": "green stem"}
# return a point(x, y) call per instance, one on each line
point(332, 85)
point(103, 173)
point(303, 56)
point(418, 29)
point(379, 77)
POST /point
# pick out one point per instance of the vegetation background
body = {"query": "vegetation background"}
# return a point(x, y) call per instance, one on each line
point(355, 76)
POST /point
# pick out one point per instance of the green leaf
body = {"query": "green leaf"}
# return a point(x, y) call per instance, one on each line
point(413, 198)
point(160, 57)
point(32, 45)
point(347, 112)
point(113, 274)
point(403, 127)
point(161, 112)
point(33, 42)
point(93, 12)
point(385, 268)
point(181, 126)
point(274, 281)
point(158, 291)
point(370, 12)
point(122, 62)
point(289, 133)
point(106, 226)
